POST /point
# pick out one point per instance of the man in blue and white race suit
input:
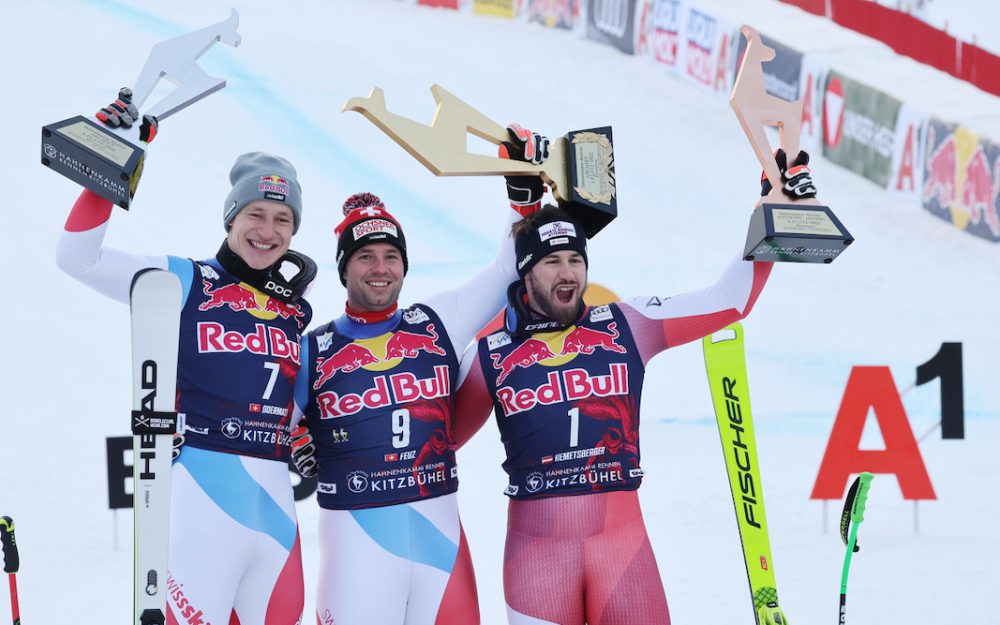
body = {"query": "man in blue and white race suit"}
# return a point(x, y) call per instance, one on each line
point(234, 551)
point(379, 401)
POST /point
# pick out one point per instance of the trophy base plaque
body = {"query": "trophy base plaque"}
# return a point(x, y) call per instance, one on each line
point(93, 156)
point(591, 172)
point(795, 233)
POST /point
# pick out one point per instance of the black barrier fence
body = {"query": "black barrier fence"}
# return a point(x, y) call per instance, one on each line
point(119, 452)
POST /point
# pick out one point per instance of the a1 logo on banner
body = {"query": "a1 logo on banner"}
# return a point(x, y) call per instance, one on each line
point(873, 388)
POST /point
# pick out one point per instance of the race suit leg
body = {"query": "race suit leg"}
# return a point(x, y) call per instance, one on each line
point(581, 559)
point(234, 545)
point(406, 564)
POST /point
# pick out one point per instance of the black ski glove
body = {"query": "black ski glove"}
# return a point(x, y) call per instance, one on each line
point(122, 113)
point(525, 192)
point(303, 451)
point(798, 178)
point(178, 443)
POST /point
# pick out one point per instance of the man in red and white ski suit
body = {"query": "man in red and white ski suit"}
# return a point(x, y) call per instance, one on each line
point(565, 382)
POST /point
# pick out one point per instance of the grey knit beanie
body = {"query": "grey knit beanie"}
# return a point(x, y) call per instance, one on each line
point(259, 176)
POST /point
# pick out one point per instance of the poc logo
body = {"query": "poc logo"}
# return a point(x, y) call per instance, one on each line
point(274, 287)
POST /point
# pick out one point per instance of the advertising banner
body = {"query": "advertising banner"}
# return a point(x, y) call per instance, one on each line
point(859, 127)
point(554, 13)
point(702, 40)
point(782, 75)
point(812, 80)
point(691, 44)
point(612, 22)
point(961, 182)
point(667, 30)
point(496, 8)
point(907, 176)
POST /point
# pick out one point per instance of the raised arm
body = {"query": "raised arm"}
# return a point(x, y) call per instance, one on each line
point(81, 252)
point(82, 255)
point(659, 323)
point(467, 308)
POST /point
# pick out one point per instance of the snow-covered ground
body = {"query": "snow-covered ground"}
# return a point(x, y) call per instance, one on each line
point(687, 181)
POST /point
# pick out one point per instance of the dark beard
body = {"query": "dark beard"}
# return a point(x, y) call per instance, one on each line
point(563, 316)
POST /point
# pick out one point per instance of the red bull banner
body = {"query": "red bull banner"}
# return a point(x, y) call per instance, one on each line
point(859, 127)
point(961, 179)
point(554, 13)
point(497, 8)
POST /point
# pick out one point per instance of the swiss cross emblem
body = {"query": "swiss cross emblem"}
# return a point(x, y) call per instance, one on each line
point(371, 211)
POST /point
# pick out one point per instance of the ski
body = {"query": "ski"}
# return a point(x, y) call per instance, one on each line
point(156, 309)
point(727, 378)
point(854, 510)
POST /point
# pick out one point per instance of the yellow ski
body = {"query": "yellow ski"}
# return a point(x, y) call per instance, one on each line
point(727, 378)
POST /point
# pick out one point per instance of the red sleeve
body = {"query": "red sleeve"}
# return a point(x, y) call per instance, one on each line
point(473, 403)
point(660, 323)
point(90, 211)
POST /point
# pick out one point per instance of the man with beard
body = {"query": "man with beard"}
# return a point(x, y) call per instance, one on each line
point(379, 403)
point(574, 509)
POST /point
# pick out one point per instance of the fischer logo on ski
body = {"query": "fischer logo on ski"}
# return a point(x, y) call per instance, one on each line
point(741, 454)
point(727, 379)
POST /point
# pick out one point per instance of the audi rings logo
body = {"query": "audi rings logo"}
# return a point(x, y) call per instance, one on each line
point(611, 16)
point(533, 483)
point(357, 481)
point(50, 151)
point(232, 427)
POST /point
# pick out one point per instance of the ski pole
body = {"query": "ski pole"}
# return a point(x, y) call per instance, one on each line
point(10, 563)
point(852, 516)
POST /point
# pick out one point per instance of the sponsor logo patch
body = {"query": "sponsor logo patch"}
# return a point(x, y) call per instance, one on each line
point(374, 226)
point(415, 316)
point(497, 340)
point(556, 229)
point(600, 313)
point(357, 481)
point(534, 482)
point(232, 427)
point(273, 184)
point(207, 271)
point(323, 341)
